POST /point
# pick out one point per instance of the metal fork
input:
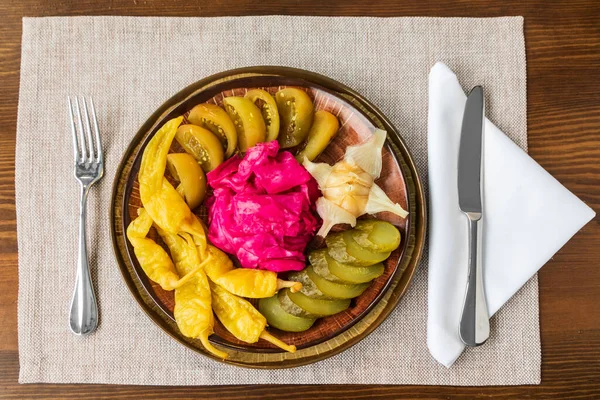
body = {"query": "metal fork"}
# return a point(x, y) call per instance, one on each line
point(89, 168)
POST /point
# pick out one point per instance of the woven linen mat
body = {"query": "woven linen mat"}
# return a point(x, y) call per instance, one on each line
point(130, 66)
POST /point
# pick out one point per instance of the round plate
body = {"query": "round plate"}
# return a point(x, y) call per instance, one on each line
point(399, 179)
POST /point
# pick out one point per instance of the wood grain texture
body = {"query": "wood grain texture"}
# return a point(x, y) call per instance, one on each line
point(563, 56)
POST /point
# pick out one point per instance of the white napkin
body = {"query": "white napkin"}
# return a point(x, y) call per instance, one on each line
point(528, 216)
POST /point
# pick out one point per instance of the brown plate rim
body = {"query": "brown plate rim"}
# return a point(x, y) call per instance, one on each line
point(374, 113)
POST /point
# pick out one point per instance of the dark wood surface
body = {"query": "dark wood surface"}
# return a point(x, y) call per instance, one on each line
point(563, 57)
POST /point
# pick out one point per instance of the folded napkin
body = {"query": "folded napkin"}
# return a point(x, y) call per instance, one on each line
point(528, 216)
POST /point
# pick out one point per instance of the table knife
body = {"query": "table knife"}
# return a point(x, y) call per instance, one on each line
point(474, 326)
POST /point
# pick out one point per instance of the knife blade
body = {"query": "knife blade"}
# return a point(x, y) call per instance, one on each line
point(474, 328)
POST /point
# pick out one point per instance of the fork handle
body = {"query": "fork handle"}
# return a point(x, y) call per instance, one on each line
point(83, 318)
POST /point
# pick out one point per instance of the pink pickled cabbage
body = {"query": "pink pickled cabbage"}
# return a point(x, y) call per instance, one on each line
point(262, 209)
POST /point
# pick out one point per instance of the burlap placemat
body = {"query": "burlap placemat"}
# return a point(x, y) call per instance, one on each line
point(130, 66)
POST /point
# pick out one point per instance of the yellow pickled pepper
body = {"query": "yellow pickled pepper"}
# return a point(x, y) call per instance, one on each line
point(160, 199)
point(250, 283)
point(193, 304)
point(152, 258)
point(241, 319)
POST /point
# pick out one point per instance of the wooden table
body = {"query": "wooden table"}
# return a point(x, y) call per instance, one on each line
point(563, 57)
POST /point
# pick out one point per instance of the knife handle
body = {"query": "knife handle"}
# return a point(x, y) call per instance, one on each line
point(475, 321)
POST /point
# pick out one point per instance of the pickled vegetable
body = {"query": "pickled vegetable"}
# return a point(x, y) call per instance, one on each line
point(336, 290)
point(216, 120)
point(319, 259)
point(292, 308)
point(202, 144)
point(332, 214)
point(248, 121)
point(331, 270)
point(308, 286)
point(241, 319)
point(352, 274)
point(325, 126)
point(192, 312)
point(341, 247)
point(184, 169)
point(376, 235)
point(276, 317)
point(268, 108)
point(244, 282)
point(350, 184)
point(163, 203)
point(296, 111)
point(312, 308)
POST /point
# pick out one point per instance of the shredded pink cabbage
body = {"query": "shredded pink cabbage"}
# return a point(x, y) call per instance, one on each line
point(262, 209)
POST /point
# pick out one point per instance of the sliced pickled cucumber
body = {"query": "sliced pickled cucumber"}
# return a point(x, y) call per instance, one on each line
point(341, 247)
point(271, 309)
point(292, 308)
point(352, 274)
point(336, 290)
point(376, 235)
point(319, 259)
point(334, 271)
point(308, 286)
point(314, 307)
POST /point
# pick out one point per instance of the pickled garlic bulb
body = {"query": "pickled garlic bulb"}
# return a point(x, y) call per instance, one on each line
point(348, 186)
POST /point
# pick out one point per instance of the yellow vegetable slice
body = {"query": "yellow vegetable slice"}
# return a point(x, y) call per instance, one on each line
point(184, 168)
point(202, 144)
point(324, 127)
point(248, 121)
point(296, 112)
point(216, 120)
point(268, 108)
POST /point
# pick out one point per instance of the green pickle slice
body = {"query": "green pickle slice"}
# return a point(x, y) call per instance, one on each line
point(320, 260)
point(308, 286)
point(337, 290)
point(343, 248)
point(310, 308)
point(375, 235)
point(334, 271)
point(271, 309)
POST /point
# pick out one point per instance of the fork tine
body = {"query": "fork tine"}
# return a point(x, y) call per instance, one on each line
point(76, 154)
point(81, 133)
point(99, 155)
point(88, 131)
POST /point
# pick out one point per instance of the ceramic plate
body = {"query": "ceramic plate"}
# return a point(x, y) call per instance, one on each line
point(399, 179)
